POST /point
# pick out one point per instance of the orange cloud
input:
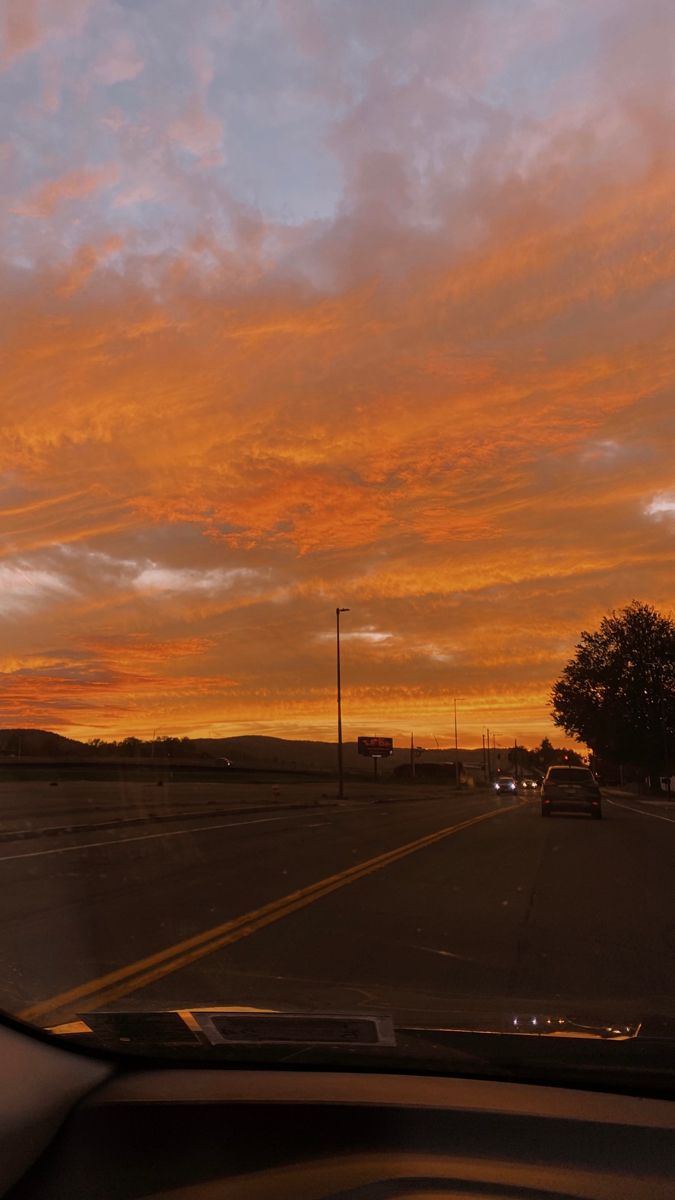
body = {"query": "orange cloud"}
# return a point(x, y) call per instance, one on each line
point(199, 132)
point(27, 24)
point(119, 62)
point(96, 694)
point(138, 648)
point(85, 261)
point(20, 28)
point(73, 185)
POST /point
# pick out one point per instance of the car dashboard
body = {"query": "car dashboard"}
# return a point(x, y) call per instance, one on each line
point(76, 1126)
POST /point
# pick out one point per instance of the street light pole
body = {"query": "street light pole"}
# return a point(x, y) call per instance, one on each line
point(456, 745)
point(339, 702)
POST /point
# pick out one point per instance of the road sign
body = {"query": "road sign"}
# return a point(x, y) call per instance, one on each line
point(376, 747)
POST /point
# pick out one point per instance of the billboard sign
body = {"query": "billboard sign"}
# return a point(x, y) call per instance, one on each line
point(376, 747)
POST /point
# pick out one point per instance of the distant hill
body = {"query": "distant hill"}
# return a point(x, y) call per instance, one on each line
point(256, 750)
point(247, 751)
point(36, 742)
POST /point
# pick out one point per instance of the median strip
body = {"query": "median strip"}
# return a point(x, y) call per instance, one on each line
point(125, 980)
point(19, 835)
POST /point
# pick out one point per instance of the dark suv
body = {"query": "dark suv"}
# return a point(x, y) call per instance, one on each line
point(570, 789)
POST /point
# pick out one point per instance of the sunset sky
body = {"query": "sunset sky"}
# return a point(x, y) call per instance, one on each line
point(319, 302)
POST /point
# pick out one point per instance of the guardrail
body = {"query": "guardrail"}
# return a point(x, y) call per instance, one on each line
point(114, 769)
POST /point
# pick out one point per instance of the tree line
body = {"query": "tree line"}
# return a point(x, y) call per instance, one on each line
point(133, 747)
point(542, 757)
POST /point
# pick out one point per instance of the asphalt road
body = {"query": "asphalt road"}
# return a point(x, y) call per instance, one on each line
point(343, 908)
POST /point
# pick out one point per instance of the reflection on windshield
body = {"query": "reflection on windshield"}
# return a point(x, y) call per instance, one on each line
point(337, 509)
point(241, 1027)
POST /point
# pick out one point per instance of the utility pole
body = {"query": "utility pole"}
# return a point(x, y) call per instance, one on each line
point(489, 764)
point(341, 786)
point(412, 757)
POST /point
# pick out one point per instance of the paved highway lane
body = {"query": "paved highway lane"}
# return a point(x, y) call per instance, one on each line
point(508, 907)
point(560, 913)
point(75, 909)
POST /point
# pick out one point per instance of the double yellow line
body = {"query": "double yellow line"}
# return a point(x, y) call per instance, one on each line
point(114, 985)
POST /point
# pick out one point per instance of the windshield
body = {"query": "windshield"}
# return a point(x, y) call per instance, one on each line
point(337, 502)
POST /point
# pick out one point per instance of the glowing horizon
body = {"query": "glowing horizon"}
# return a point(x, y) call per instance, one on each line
point(306, 307)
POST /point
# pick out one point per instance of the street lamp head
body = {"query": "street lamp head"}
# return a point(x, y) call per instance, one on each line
point(342, 610)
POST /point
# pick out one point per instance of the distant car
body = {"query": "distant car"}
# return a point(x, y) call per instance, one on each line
point(529, 784)
point(571, 789)
point(505, 783)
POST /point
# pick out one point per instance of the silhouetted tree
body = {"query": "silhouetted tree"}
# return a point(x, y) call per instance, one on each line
point(618, 692)
point(131, 745)
point(547, 755)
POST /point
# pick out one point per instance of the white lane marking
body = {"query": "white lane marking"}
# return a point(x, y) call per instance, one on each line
point(641, 812)
point(441, 953)
point(145, 837)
